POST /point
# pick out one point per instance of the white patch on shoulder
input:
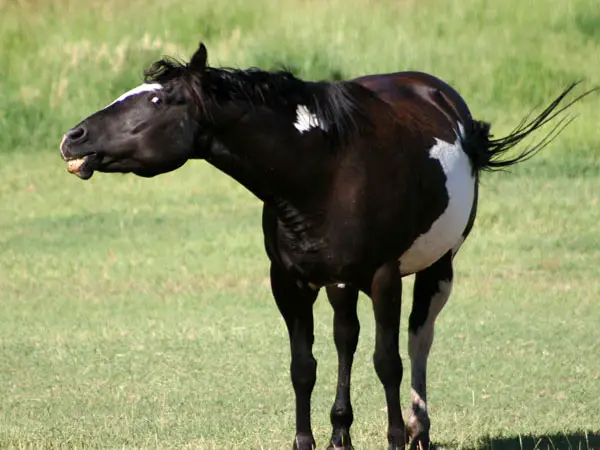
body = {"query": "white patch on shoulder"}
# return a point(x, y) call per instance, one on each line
point(446, 232)
point(305, 120)
point(146, 87)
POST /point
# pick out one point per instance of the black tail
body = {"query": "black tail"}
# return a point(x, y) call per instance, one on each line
point(486, 153)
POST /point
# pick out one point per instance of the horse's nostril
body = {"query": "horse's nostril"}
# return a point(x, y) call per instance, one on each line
point(77, 134)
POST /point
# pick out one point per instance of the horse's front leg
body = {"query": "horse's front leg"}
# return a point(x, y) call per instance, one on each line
point(386, 293)
point(345, 334)
point(295, 304)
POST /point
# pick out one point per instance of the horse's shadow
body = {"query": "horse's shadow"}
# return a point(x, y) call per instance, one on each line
point(572, 441)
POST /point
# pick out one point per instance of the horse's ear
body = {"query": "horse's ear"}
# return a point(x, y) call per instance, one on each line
point(198, 61)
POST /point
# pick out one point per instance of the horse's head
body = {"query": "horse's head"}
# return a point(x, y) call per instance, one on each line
point(152, 129)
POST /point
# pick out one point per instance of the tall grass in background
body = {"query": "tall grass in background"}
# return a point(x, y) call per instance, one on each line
point(62, 59)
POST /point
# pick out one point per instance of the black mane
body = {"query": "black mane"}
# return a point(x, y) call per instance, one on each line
point(334, 103)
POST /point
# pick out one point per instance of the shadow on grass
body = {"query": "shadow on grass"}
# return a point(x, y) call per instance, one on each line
point(573, 441)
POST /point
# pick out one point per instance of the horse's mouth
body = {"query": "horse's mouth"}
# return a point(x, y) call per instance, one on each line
point(83, 167)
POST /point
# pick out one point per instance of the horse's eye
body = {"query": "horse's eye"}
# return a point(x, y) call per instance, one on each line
point(155, 100)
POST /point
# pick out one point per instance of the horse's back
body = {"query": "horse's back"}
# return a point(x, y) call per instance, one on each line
point(414, 93)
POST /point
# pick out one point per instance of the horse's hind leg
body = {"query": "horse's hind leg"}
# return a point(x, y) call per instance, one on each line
point(431, 291)
point(345, 334)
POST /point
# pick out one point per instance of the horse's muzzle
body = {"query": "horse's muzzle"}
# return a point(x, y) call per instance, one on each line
point(79, 165)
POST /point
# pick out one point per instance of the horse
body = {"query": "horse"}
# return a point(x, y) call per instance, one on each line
point(363, 182)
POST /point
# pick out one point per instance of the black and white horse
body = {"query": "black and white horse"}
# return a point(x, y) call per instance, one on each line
point(363, 182)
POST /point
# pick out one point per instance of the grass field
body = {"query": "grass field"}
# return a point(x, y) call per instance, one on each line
point(137, 314)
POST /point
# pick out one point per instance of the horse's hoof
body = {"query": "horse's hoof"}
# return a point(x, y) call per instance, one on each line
point(340, 440)
point(303, 442)
point(397, 439)
point(420, 442)
point(395, 446)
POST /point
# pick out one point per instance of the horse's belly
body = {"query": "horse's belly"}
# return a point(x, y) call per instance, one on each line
point(447, 230)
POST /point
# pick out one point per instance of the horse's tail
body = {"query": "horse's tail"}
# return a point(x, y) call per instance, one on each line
point(487, 153)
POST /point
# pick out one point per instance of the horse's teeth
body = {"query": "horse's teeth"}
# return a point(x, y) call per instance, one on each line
point(74, 164)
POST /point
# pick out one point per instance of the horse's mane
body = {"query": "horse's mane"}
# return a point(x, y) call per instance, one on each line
point(334, 103)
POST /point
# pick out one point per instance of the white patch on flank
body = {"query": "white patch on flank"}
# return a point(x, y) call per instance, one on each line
point(447, 230)
point(419, 345)
point(341, 285)
point(305, 120)
point(146, 87)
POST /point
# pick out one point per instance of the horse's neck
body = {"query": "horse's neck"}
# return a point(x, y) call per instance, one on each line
point(272, 159)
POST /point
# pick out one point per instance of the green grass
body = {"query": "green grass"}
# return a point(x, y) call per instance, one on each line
point(137, 314)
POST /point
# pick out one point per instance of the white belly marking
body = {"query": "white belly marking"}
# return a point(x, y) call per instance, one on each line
point(447, 230)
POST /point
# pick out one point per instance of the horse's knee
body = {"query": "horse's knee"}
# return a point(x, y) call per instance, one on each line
point(388, 367)
point(304, 372)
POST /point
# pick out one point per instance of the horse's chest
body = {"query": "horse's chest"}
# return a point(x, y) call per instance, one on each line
point(446, 232)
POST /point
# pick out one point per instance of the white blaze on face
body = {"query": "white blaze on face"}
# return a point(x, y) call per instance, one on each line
point(305, 120)
point(447, 230)
point(146, 87)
